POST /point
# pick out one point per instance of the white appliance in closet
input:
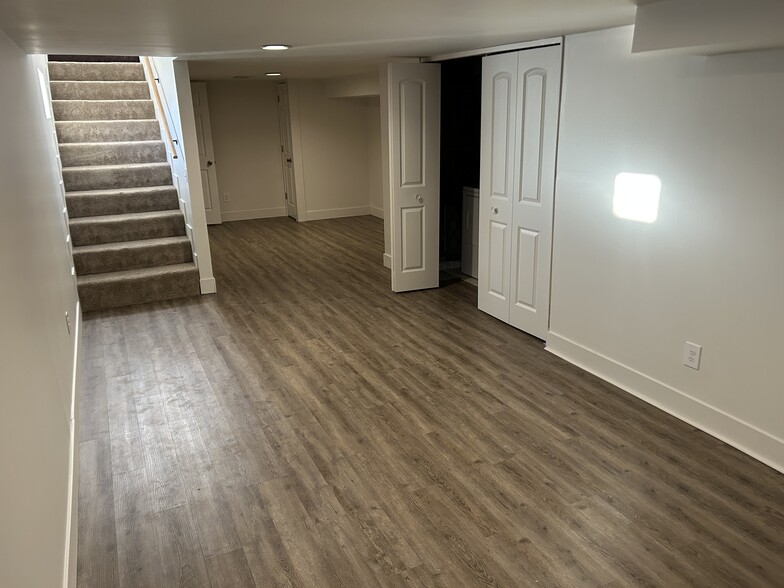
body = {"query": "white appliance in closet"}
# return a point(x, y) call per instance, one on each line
point(469, 261)
point(520, 103)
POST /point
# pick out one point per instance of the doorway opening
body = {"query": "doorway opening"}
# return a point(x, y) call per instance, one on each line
point(461, 126)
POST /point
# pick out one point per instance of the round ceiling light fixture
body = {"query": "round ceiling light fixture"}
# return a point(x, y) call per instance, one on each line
point(273, 74)
point(275, 47)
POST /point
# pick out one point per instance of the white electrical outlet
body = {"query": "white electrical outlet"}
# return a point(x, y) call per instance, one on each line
point(691, 355)
point(226, 197)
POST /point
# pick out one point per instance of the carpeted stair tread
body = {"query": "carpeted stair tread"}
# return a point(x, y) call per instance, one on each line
point(82, 110)
point(90, 90)
point(128, 233)
point(93, 131)
point(96, 71)
point(112, 257)
point(104, 177)
point(137, 286)
point(112, 153)
point(94, 230)
point(92, 203)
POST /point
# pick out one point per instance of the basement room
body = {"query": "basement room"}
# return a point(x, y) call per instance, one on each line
point(413, 294)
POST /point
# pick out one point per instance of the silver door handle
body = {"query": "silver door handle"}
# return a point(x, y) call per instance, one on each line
point(419, 198)
point(494, 210)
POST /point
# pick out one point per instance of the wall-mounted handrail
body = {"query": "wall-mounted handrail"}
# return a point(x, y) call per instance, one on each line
point(156, 96)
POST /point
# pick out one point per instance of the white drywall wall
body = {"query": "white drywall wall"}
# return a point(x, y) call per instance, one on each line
point(705, 27)
point(375, 185)
point(36, 351)
point(626, 295)
point(175, 90)
point(334, 134)
point(246, 139)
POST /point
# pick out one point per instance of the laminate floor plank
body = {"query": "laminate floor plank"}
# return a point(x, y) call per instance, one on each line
point(305, 426)
point(97, 555)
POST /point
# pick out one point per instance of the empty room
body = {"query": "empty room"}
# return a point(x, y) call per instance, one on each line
point(407, 294)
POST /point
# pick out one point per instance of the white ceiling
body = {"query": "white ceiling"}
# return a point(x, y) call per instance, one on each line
point(330, 37)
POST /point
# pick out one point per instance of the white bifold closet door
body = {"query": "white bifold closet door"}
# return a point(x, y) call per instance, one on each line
point(520, 102)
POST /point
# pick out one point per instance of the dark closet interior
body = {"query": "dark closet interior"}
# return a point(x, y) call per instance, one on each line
point(461, 96)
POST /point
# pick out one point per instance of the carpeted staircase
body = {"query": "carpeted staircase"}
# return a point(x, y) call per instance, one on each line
point(127, 230)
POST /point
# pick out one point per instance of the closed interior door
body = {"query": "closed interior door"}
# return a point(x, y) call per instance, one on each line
point(521, 96)
point(538, 90)
point(286, 151)
point(496, 181)
point(209, 178)
point(414, 111)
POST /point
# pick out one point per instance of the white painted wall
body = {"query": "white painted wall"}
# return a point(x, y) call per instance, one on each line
point(334, 153)
point(627, 295)
point(37, 354)
point(245, 135)
point(709, 26)
point(352, 86)
point(175, 89)
point(375, 181)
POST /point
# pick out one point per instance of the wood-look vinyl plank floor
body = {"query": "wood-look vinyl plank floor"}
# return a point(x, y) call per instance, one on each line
point(308, 427)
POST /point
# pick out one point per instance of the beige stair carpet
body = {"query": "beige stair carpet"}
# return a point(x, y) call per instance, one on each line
point(128, 233)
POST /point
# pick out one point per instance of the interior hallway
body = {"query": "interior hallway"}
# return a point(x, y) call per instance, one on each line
point(306, 426)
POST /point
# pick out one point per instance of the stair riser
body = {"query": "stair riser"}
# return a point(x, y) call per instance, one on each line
point(139, 291)
point(76, 154)
point(111, 178)
point(103, 109)
point(102, 204)
point(108, 131)
point(98, 262)
point(99, 90)
point(96, 71)
point(112, 231)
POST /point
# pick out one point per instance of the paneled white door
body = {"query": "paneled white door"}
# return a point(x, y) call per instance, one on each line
point(496, 181)
point(209, 178)
point(286, 150)
point(414, 111)
point(520, 104)
point(538, 90)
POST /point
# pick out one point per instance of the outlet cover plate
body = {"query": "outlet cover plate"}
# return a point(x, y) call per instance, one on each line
point(692, 353)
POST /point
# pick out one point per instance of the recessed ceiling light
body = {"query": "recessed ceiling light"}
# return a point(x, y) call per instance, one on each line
point(273, 74)
point(275, 47)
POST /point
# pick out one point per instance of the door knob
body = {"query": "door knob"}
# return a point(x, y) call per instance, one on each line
point(288, 160)
point(419, 198)
point(494, 210)
point(209, 164)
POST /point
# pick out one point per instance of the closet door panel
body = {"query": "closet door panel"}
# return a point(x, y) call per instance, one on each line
point(496, 193)
point(539, 84)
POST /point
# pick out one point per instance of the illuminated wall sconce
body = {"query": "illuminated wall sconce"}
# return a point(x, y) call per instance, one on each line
point(636, 197)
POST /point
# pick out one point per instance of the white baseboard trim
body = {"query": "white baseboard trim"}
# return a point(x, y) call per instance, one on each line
point(338, 212)
point(239, 215)
point(377, 212)
point(387, 261)
point(208, 286)
point(733, 431)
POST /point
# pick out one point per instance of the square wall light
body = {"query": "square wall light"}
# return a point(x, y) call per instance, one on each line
point(636, 197)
